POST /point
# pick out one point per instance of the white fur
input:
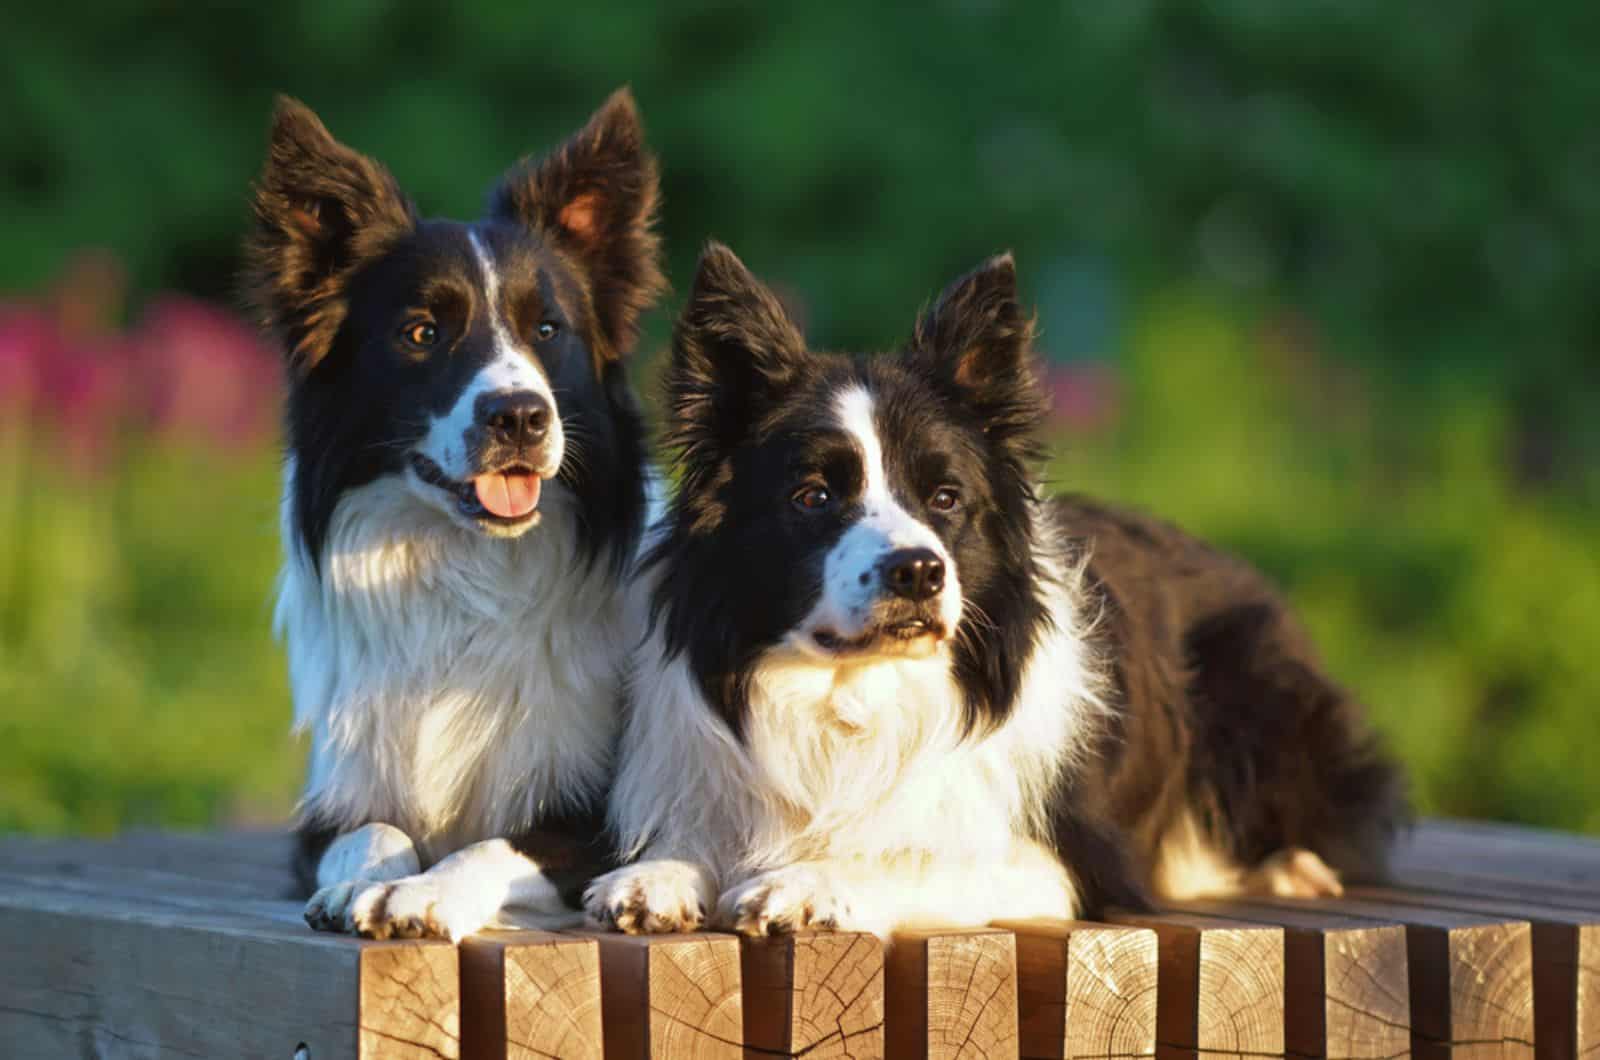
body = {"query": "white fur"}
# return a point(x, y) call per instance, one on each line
point(852, 570)
point(455, 686)
point(447, 442)
point(484, 884)
point(860, 774)
point(372, 852)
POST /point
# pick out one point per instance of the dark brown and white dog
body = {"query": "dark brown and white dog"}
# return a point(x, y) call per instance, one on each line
point(889, 683)
point(464, 493)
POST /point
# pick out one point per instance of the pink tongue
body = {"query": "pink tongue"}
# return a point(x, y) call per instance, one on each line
point(508, 496)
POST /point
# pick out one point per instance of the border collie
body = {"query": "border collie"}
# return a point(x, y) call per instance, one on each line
point(464, 493)
point(887, 683)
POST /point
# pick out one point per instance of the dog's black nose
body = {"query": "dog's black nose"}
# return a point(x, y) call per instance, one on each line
point(914, 573)
point(516, 418)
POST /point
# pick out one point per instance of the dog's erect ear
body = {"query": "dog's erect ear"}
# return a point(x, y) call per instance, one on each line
point(977, 345)
point(596, 196)
point(321, 211)
point(734, 352)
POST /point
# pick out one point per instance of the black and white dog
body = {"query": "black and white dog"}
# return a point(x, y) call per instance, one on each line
point(464, 494)
point(887, 683)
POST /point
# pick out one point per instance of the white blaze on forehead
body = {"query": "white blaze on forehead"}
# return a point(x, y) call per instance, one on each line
point(509, 369)
point(851, 581)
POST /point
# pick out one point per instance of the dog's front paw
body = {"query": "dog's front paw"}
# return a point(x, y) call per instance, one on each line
point(795, 898)
point(650, 898)
point(415, 907)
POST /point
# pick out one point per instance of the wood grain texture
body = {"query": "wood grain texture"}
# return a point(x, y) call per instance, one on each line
point(527, 994)
point(1566, 971)
point(1471, 977)
point(1084, 989)
point(817, 994)
point(1346, 990)
point(671, 996)
point(86, 974)
point(951, 994)
point(1220, 986)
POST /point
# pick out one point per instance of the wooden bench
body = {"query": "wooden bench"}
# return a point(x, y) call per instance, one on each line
point(1486, 944)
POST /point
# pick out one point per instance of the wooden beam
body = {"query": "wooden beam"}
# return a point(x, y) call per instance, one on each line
point(1566, 964)
point(1346, 992)
point(1471, 976)
point(1220, 984)
point(950, 994)
point(85, 973)
point(671, 996)
point(527, 994)
point(1084, 989)
point(818, 994)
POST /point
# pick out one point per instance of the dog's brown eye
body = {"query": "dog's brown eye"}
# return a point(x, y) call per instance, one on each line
point(945, 499)
point(813, 498)
point(420, 334)
point(546, 330)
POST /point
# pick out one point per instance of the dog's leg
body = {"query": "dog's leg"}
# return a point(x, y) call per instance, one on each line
point(1296, 791)
point(460, 895)
point(651, 897)
point(371, 853)
point(880, 895)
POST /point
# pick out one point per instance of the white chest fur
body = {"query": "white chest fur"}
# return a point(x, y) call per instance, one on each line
point(454, 685)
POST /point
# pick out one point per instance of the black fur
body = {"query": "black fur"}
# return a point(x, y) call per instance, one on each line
point(338, 258)
point(1219, 707)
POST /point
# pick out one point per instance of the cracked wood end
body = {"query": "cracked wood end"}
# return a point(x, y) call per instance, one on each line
point(1471, 977)
point(671, 996)
point(530, 994)
point(409, 1004)
point(1085, 989)
point(951, 994)
point(1220, 984)
point(1347, 992)
point(1566, 961)
point(818, 993)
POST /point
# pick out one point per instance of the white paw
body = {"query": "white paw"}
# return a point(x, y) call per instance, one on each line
point(1294, 873)
point(416, 907)
point(650, 898)
point(789, 899)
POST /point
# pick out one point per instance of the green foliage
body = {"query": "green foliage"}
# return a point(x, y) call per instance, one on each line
point(140, 682)
point(1460, 607)
point(1411, 449)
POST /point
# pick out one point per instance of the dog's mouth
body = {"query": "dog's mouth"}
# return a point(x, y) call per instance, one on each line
point(507, 496)
point(903, 637)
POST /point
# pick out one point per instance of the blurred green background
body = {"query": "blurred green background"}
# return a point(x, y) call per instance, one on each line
point(1317, 280)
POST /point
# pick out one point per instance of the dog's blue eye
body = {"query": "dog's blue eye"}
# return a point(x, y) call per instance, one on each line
point(546, 330)
point(420, 334)
point(813, 498)
point(944, 499)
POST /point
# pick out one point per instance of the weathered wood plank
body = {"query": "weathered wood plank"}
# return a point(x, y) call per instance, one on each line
point(1471, 977)
point(817, 994)
point(671, 996)
point(1566, 964)
point(1084, 989)
point(527, 994)
point(951, 994)
point(85, 974)
point(1346, 991)
point(1514, 862)
point(1220, 984)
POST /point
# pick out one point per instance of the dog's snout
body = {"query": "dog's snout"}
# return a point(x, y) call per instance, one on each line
point(515, 418)
point(913, 573)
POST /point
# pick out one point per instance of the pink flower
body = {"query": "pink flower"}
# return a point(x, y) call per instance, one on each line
point(1085, 396)
point(202, 372)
